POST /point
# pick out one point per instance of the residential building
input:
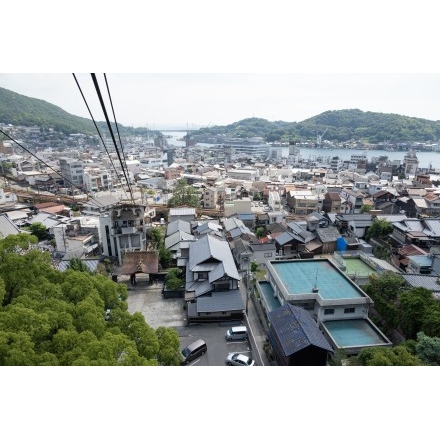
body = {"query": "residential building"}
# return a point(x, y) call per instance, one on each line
point(72, 171)
point(212, 290)
point(96, 179)
point(296, 339)
point(186, 214)
point(410, 164)
point(123, 229)
point(332, 202)
point(239, 174)
point(338, 306)
point(354, 200)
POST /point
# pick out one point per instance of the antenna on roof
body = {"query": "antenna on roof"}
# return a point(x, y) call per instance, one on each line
point(315, 287)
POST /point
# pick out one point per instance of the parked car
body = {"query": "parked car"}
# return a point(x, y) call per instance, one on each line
point(193, 351)
point(239, 360)
point(237, 333)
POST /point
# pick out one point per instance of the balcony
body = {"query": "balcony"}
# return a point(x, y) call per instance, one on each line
point(129, 230)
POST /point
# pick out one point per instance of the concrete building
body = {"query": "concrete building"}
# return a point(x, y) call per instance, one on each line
point(338, 306)
point(72, 171)
point(123, 229)
point(96, 179)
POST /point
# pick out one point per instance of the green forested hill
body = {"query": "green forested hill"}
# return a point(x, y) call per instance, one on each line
point(18, 109)
point(338, 125)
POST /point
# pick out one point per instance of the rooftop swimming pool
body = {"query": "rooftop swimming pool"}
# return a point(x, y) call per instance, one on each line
point(268, 294)
point(301, 276)
point(349, 333)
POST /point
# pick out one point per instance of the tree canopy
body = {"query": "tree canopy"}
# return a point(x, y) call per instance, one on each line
point(410, 310)
point(48, 317)
point(184, 195)
point(380, 228)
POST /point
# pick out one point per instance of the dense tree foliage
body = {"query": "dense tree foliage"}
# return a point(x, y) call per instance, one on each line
point(382, 356)
point(338, 125)
point(428, 349)
point(18, 109)
point(184, 195)
point(380, 228)
point(173, 279)
point(48, 317)
point(410, 310)
point(78, 264)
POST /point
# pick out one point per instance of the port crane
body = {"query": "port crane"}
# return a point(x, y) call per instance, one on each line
point(319, 138)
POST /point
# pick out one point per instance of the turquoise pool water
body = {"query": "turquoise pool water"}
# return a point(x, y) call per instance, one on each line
point(300, 277)
point(267, 291)
point(354, 333)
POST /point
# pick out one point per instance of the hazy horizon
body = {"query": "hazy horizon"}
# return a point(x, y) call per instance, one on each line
point(192, 100)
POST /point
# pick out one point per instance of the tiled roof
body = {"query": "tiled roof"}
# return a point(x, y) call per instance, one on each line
point(296, 329)
point(217, 301)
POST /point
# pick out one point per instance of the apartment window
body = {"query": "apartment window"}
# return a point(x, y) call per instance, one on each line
point(349, 310)
point(329, 311)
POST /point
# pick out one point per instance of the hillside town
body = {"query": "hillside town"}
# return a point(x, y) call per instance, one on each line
point(293, 232)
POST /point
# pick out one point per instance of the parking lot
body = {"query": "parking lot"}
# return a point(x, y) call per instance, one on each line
point(158, 311)
point(214, 336)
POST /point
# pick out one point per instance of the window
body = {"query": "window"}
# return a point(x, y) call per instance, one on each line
point(329, 311)
point(349, 310)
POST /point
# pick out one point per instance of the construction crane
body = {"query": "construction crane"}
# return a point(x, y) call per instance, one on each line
point(319, 138)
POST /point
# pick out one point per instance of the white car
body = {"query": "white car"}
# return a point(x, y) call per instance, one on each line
point(239, 360)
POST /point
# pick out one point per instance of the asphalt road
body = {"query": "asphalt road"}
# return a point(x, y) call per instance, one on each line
point(158, 311)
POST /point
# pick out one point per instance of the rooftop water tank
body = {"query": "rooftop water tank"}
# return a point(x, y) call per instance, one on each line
point(341, 244)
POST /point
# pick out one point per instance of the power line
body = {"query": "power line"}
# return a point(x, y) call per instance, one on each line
point(98, 91)
point(116, 124)
point(99, 133)
point(48, 166)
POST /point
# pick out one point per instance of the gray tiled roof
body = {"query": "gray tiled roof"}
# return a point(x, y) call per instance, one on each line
point(209, 248)
point(7, 227)
point(220, 302)
point(177, 237)
point(296, 329)
point(178, 225)
point(329, 234)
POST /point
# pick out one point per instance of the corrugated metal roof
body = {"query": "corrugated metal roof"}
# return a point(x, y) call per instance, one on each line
point(426, 281)
point(91, 264)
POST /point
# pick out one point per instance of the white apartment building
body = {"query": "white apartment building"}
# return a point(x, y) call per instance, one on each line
point(72, 171)
point(124, 229)
point(249, 175)
point(274, 200)
point(96, 179)
point(410, 164)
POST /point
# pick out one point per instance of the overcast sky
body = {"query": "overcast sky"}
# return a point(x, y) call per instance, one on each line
point(224, 64)
point(176, 100)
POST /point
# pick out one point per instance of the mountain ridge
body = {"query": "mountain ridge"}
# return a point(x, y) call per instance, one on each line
point(332, 125)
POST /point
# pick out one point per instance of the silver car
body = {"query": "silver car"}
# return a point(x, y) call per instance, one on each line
point(239, 360)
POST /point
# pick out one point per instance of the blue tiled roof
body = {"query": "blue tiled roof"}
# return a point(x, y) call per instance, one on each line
point(296, 329)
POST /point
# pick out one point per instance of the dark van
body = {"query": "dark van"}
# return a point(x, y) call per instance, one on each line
point(193, 351)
